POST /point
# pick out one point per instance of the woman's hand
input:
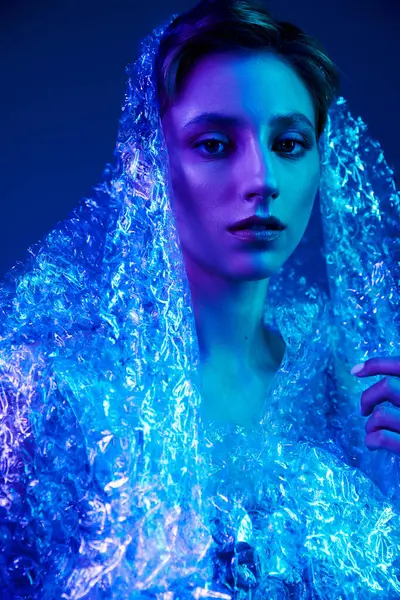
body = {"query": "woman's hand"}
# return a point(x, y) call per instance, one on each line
point(383, 426)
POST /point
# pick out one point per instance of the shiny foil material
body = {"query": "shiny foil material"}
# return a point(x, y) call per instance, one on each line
point(112, 486)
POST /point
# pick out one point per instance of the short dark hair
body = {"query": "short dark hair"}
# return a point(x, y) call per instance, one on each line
point(241, 25)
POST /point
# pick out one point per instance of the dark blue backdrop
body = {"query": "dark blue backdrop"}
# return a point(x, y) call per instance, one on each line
point(62, 85)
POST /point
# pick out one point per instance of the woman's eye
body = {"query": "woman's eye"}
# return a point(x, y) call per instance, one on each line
point(285, 146)
point(289, 144)
point(210, 144)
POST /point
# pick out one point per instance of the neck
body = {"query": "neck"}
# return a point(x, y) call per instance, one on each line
point(229, 319)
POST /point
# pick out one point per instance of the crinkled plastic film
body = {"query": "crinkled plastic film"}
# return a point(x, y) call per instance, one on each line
point(112, 486)
point(360, 213)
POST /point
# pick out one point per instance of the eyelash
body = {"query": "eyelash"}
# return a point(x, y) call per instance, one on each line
point(302, 143)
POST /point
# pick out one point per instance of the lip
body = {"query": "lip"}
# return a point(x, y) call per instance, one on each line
point(270, 222)
point(264, 236)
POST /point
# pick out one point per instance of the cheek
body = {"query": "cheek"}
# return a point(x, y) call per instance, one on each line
point(300, 197)
point(197, 196)
point(187, 192)
point(306, 185)
point(181, 189)
point(187, 203)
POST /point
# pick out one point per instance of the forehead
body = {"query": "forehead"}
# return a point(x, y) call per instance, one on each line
point(249, 86)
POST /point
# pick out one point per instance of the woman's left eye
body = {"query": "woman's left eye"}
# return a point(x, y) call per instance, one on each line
point(292, 142)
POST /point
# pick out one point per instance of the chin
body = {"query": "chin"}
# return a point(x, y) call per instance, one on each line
point(254, 268)
point(252, 274)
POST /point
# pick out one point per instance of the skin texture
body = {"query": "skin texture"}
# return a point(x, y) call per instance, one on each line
point(253, 167)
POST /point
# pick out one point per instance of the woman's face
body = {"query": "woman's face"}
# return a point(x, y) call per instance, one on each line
point(255, 158)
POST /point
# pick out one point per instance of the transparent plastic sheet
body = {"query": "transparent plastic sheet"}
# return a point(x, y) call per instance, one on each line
point(111, 486)
point(361, 218)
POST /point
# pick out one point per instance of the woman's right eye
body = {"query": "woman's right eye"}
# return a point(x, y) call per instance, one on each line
point(210, 143)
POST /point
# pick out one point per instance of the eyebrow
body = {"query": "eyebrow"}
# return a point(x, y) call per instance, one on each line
point(214, 118)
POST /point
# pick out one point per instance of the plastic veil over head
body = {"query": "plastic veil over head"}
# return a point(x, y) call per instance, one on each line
point(112, 485)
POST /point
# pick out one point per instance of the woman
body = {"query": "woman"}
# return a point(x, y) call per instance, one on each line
point(177, 405)
point(222, 180)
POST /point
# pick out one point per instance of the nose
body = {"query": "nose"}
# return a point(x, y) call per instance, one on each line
point(261, 177)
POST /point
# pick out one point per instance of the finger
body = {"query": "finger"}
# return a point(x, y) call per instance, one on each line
point(383, 440)
point(384, 417)
point(387, 388)
point(378, 366)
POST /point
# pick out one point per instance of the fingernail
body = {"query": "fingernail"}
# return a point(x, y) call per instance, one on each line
point(357, 368)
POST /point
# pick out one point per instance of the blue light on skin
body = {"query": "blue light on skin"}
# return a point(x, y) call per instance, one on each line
point(251, 159)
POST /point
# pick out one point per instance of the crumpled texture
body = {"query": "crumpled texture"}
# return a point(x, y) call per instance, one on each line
point(111, 484)
point(360, 214)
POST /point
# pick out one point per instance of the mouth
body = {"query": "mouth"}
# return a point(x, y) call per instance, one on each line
point(258, 223)
point(258, 229)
